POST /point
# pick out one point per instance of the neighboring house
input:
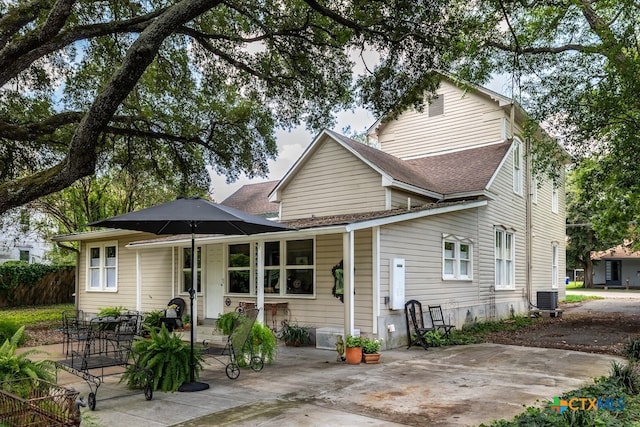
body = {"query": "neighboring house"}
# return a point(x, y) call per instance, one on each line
point(19, 242)
point(618, 266)
point(445, 210)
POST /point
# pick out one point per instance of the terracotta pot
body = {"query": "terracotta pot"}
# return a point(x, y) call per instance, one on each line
point(353, 355)
point(371, 358)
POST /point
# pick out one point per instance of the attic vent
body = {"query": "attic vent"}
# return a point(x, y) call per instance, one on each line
point(436, 107)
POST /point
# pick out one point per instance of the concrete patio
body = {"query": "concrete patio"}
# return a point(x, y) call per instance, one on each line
point(451, 386)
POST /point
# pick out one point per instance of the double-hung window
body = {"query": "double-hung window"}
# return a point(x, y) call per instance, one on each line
point(504, 258)
point(187, 279)
point(102, 267)
point(517, 167)
point(457, 258)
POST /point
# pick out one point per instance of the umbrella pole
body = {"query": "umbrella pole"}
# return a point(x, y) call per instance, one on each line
point(193, 385)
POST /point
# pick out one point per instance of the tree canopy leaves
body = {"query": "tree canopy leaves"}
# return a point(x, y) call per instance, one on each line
point(175, 86)
point(576, 65)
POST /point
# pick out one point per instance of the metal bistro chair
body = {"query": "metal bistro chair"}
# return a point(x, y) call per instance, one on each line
point(437, 320)
point(415, 324)
point(74, 329)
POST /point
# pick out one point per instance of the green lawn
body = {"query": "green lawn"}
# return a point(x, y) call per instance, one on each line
point(36, 315)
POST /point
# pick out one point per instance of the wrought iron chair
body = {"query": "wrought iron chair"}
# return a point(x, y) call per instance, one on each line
point(437, 320)
point(416, 329)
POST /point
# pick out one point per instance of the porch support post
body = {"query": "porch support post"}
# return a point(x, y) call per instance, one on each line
point(260, 280)
point(138, 282)
point(348, 276)
point(375, 262)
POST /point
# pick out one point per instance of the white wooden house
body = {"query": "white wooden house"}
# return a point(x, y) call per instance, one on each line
point(444, 209)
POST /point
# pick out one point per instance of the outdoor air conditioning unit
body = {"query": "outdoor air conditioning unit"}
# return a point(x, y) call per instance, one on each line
point(547, 300)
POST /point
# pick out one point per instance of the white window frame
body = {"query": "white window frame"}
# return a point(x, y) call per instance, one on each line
point(251, 268)
point(554, 265)
point(102, 268)
point(554, 199)
point(518, 159)
point(455, 258)
point(182, 286)
point(504, 258)
point(282, 267)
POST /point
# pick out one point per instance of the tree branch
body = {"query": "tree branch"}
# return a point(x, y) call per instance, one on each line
point(82, 152)
point(15, 58)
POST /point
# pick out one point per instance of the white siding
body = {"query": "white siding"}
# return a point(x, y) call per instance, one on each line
point(548, 228)
point(468, 120)
point(332, 182)
point(326, 310)
point(507, 210)
point(419, 242)
point(156, 274)
point(401, 199)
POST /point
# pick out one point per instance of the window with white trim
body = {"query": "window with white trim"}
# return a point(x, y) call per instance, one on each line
point(554, 265)
point(186, 278)
point(288, 268)
point(102, 267)
point(457, 258)
point(554, 199)
point(517, 167)
point(239, 268)
point(504, 258)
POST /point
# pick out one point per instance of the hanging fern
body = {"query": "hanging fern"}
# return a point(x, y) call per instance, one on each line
point(167, 356)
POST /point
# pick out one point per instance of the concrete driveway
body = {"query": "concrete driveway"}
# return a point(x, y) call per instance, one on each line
point(614, 301)
point(452, 386)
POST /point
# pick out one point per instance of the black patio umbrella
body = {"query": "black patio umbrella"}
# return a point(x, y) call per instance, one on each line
point(196, 216)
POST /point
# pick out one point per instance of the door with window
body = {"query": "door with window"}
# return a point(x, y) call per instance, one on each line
point(613, 272)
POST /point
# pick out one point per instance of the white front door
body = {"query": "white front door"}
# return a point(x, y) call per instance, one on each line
point(214, 300)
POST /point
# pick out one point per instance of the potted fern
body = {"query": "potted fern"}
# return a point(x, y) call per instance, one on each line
point(167, 356)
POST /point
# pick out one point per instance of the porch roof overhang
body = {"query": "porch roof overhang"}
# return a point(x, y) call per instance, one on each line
point(315, 226)
point(94, 235)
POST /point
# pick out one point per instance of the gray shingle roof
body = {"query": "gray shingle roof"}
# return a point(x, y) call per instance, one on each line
point(464, 171)
point(456, 172)
point(253, 198)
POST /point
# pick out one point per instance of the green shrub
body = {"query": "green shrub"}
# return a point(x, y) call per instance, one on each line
point(625, 376)
point(111, 311)
point(435, 338)
point(8, 329)
point(632, 350)
point(167, 356)
point(17, 366)
point(152, 320)
point(293, 334)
